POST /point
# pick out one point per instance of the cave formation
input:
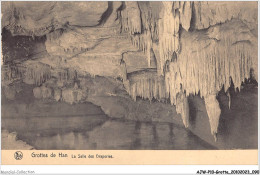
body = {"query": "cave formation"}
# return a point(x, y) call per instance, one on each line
point(131, 57)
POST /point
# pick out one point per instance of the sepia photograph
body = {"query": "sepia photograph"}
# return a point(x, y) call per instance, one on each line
point(129, 75)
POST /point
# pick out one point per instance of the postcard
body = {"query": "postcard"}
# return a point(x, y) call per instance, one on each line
point(129, 83)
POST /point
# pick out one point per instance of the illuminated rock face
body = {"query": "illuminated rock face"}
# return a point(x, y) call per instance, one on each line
point(213, 111)
point(161, 51)
point(39, 18)
point(201, 62)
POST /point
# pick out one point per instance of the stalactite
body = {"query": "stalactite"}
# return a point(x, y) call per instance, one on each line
point(150, 15)
point(203, 73)
point(12, 72)
point(144, 30)
point(202, 70)
point(67, 74)
point(147, 89)
point(209, 70)
point(147, 85)
point(162, 25)
point(144, 43)
point(130, 16)
point(182, 107)
point(39, 73)
point(153, 61)
point(168, 32)
point(185, 14)
point(214, 112)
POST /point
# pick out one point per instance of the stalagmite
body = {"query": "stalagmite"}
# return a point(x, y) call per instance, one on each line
point(69, 96)
point(57, 94)
point(214, 112)
point(203, 72)
point(179, 61)
point(124, 70)
point(37, 92)
point(42, 92)
point(229, 100)
point(73, 95)
point(182, 107)
point(46, 92)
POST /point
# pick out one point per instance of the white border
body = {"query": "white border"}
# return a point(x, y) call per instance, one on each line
point(128, 169)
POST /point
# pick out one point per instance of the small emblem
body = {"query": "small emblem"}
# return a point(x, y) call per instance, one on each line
point(18, 155)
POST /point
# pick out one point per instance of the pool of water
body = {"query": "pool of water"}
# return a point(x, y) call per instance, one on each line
point(100, 132)
point(57, 125)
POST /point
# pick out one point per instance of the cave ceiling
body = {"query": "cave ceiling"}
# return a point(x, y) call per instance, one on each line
point(159, 49)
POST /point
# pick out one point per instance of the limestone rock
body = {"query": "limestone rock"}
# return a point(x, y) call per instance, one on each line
point(182, 107)
point(214, 112)
point(37, 92)
point(43, 92)
point(11, 142)
point(46, 92)
point(36, 72)
point(68, 96)
point(131, 58)
point(185, 14)
point(57, 94)
point(73, 96)
point(9, 92)
point(111, 16)
point(131, 17)
point(157, 51)
point(36, 18)
point(103, 59)
point(210, 13)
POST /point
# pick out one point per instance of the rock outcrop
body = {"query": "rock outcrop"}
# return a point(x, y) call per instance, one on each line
point(10, 141)
point(159, 51)
point(40, 18)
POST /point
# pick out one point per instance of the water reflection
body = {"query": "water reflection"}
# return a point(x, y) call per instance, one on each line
point(100, 132)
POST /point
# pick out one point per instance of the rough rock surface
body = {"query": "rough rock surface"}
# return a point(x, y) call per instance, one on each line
point(43, 92)
point(160, 52)
point(10, 141)
point(39, 18)
point(211, 13)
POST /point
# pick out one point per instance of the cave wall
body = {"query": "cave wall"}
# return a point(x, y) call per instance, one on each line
point(160, 51)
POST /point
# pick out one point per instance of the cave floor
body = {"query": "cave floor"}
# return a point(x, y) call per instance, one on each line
point(50, 125)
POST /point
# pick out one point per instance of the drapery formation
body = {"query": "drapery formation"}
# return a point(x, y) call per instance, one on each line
point(195, 64)
point(190, 47)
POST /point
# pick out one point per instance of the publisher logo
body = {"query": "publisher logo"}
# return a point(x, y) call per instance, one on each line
point(18, 155)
